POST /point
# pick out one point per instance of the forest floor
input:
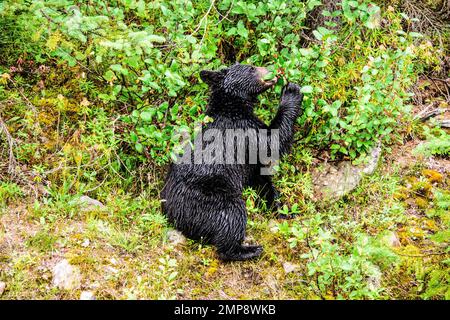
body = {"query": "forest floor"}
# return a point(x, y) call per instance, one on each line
point(145, 259)
point(80, 213)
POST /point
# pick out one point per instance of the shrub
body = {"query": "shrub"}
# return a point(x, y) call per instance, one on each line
point(355, 74)
point(437, 143)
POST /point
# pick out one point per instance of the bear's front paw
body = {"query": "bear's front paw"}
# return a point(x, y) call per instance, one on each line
point(291, 95)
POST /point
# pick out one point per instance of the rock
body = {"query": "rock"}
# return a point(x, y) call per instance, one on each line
point(87, 203)
point(392, 240)
point(373, 160)
point(223, 295)
point(175, 237)
point(335, 181)
point(2, 287)
point(87, 295)
point(111, 270)
point(289, 267)
point(272, 284)
point(66, 276)
point(374, 281)
point(86, 243)
point(273, 226)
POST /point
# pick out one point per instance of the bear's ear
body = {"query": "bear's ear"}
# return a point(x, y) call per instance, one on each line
point(211, 77)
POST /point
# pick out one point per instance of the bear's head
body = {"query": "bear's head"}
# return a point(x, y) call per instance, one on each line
point(240, 80)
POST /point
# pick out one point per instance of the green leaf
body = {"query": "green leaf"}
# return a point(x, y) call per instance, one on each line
point(147, 116)
point(155, 38)
point(133, 137)
point(317, 34)
point(139, 147)
point(242, 30)
point(307, 89)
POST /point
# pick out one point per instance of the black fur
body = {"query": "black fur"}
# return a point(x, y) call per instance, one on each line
point(204, 201)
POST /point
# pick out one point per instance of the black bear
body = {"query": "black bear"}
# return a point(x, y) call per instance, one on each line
point(203, 199)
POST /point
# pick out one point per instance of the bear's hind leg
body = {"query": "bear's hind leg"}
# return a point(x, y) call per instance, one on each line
point(240, 252)
point(230, 233)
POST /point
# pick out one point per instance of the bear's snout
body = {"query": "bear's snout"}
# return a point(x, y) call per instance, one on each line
point(263, 73)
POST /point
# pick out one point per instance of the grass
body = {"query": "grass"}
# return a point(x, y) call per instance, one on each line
point(388, 239)
point(135, 260)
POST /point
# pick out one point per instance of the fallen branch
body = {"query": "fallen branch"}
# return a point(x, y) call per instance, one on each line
point(422, 255)
point(426, 114)
point(28, 103)
point(443, 123)
point(9, 139)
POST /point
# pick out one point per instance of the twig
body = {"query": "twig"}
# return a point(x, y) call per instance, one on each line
point(444, 123)
point(422, 255)
point(425, 114)
point(28, 102)
point(12, 159)
point(224, 17)
point(205, 17)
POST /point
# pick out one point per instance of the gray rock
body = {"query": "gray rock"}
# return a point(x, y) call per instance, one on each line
point(111, 270)
point(87, 295)
point(273, 226)
point(374, 157)
point(391, 239)
point(86, 243)
point(87, 203)
point(335, 181)
point(374, 281)
point(289, 267)
point(175, 237)
point(66, 276)
point(272, 284)
point(2, 287)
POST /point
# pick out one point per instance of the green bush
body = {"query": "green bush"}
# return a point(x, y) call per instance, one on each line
point(340, 270)
point(437, 143)
point(355, 77)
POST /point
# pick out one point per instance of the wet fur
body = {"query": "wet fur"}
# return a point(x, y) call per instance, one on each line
point(204, 201)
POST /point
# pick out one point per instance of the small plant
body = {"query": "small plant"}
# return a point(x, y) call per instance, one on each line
point(8, 192)
point(149, 64)
point(437, 143)
point(339, 270)
point(437, 281)
point(166, 273)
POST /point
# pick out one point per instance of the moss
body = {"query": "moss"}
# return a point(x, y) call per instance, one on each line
point(44, 240)
point(433, 176)
point(402, 193)
point(422, 188)
point(422, 203)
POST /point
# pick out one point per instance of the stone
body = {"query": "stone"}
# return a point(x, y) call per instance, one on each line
point(111, 270)
point(87, 295)
point(289, 267)
point(87, 203)
point(86, 243)
point(66, 276)
point(273, 226)
point(374, 281)
point(374, 157)
point(2, 287)
point(271, 283)
point(175, 237)
point(392, 240)
point(333, 181)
